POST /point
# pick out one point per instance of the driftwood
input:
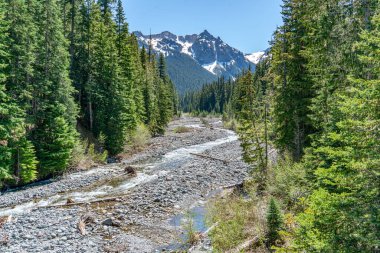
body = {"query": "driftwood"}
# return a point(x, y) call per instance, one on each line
point(82, 227)
point(70, 201)
point(245, 245)
point(4, 220)
point(238, 185)
point(83, 221)
point(82, 203)
point(212, 158)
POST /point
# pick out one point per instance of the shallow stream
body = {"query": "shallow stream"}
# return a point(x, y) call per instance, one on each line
point(121, 186)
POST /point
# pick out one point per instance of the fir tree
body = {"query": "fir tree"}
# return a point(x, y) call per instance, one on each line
point(293, 89)
point(342, 214)
point(54, 109)
point(274, 223)
point(251, 134)
point(17, 159)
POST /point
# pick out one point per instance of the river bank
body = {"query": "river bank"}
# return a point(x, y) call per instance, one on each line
point(169, 181)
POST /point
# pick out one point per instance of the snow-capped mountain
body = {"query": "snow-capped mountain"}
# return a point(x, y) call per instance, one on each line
point(210, 52)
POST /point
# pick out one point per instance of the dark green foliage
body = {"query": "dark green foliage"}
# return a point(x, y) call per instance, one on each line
point(69, 62)
point(343, 210)
point(318, 101)
point(213, 97)
point(275, 223)
point(252, 118)
point(293, 89)
point(54, 141)
point(17, 158)
point(54, 109)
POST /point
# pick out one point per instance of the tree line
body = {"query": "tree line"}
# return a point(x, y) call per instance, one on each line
point(70, 63)
point(316, 101)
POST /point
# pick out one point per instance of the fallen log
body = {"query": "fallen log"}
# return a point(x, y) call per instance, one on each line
point(245, 245)
point(212, 158)
point(237, 185)
point(82, 203)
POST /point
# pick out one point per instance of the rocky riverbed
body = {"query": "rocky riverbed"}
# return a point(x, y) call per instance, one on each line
point(175, 173)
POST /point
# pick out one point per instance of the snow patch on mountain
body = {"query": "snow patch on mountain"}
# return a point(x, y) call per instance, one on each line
point(215, 67)
point(255, 58)
point(186, 46)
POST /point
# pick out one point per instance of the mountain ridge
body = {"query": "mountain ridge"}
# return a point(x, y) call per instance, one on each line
point(215, 57)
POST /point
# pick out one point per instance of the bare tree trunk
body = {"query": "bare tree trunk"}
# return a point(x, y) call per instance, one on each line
point(90, 114)
point(266, 134)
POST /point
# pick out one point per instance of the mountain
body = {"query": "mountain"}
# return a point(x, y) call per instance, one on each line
point(197, 59)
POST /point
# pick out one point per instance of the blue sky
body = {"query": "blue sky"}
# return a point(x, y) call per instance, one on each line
point(244, 24)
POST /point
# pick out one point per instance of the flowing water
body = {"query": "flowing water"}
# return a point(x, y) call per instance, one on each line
point(119, 187)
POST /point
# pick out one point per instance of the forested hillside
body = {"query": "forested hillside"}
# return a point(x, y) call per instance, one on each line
point(68, 64)
point(316, 102)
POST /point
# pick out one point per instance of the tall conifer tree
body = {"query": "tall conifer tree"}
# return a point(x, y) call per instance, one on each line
point(54, 109)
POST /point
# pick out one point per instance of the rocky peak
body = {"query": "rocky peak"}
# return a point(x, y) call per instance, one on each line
point(211, 52)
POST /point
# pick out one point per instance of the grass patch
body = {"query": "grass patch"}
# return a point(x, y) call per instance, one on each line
point(237, 220)
point(182, 129)
point(192, 236)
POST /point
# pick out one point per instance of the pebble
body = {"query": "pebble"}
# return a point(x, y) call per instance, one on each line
point(147, 206)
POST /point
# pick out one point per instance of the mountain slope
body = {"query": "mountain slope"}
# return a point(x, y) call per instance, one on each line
point(186, 73)
point(196, 59)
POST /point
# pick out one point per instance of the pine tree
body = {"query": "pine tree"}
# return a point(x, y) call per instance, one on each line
point(251, 134)
point(22, 49)
point(54, 109)
point(274, 223)
point(165, 95)
point(106, 6)
point(293, 89)
point(12, 121)
point(126, 118)
point(342, 214)
point(138, 79)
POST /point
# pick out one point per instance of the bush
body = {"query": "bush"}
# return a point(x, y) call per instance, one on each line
point(231, 124)
point(287, 181)
point(99, 157)
point(85, 156)
point(139, 139)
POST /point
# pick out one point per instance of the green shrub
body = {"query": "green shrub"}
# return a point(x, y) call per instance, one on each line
point(85, 155)
point(231, 124)
point(99, 157)
point(139, 139)
point(287, 181)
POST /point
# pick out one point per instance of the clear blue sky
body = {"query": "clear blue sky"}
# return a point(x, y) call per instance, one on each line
point(244, 24)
